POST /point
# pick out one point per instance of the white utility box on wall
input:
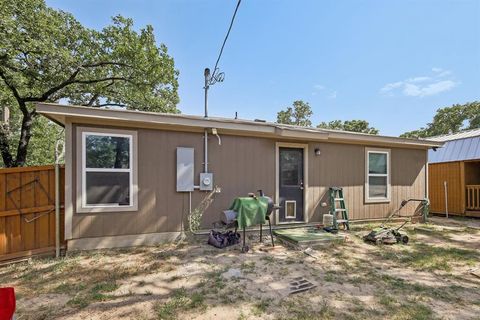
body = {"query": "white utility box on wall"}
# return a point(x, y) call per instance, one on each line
point(185, 169)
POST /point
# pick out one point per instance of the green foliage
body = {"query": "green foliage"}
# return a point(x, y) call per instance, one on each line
point(450, 120)
point(181, 301)
point(349, 125)
point(48, 56)
point(299, 114)
point(107, 152)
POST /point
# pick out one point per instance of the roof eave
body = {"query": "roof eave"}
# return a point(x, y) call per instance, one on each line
point(61, 114)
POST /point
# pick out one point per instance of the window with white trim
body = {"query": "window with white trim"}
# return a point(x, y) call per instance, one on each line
point(377, 175)
point(107, 170)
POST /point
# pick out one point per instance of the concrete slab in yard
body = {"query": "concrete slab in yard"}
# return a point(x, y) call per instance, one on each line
point(308, 237)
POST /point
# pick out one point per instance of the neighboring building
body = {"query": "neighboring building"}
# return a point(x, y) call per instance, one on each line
point(130, 175)
point(457, 164)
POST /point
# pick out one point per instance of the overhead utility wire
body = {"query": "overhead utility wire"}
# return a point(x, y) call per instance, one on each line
point(226, 37)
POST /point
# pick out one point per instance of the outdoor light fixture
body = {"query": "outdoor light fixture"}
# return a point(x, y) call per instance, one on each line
point(317, 151)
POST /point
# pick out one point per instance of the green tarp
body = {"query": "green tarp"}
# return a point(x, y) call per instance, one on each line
point(251, 211)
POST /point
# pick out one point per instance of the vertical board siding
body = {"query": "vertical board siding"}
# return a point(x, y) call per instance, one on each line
point(451, 172)
point(31, 227)
point(241, 165)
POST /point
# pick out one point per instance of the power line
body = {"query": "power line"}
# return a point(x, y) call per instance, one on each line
point(214, 77)
point(226, 37)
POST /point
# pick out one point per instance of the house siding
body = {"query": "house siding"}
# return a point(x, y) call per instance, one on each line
point(241, 165)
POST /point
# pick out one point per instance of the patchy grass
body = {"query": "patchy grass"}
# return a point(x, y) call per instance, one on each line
point(423, 256)
point(298, 310)
point(248, 267)
point(354, 281)
point(99, 292)
point(180, 302)
point(411, 310)
point(261, 307)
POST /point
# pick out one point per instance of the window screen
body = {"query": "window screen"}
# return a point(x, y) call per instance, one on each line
point(107, 170)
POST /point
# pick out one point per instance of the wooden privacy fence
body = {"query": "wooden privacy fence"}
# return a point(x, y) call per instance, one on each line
point(27, 211)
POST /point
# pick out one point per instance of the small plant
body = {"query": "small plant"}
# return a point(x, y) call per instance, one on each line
point(268, 259)
point(386, 300)
point(179, 301)
point(260, 307)
point(248, 267)
point(96, 293)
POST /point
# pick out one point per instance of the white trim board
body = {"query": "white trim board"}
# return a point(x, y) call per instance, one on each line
point(80, 173)
point(303, 146)
point(294, 209)
point(68, 181)
point(369, 150)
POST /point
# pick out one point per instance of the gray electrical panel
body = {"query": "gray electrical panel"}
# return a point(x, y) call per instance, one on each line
point(185, 169)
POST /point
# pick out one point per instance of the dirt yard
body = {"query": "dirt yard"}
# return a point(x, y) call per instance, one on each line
point(427, 279)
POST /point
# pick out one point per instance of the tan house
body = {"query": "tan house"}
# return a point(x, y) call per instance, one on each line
point(132, 177)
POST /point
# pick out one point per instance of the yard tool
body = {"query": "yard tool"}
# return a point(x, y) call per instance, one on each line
point(388, 235)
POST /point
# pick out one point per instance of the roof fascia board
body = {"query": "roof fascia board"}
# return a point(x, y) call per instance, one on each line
point(382, 139)
point(60, 114)
point(298, 134)
point(87, 115)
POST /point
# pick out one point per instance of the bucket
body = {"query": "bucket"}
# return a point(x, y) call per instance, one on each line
point(327, 220)
point(229, 216)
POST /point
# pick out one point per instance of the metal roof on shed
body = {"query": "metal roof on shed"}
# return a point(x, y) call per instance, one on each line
point(459, 135)
point(456, 150)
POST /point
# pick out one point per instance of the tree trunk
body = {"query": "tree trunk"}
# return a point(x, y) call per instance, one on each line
point(4, 146)
point(25, 135)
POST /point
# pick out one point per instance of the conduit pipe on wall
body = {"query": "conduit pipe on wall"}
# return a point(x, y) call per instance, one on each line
point(205, 165)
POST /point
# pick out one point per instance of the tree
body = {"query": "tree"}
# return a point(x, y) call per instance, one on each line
point(299, 114)
point(48, 56)
point(349, 125)
point(450, 120)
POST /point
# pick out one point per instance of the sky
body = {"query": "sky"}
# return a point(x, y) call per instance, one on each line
point(392, 63)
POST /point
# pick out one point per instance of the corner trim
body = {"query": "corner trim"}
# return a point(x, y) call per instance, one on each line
point(68, 182)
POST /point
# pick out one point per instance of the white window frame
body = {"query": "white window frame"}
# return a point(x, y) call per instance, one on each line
point(82, 205)
point(387, 152)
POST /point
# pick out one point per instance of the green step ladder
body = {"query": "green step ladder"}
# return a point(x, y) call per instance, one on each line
point(337, 205)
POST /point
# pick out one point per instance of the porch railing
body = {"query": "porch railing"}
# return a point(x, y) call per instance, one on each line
point(473, 197)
